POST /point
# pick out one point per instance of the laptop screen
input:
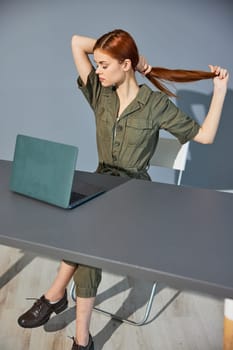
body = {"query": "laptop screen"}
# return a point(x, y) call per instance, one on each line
point(43, 169)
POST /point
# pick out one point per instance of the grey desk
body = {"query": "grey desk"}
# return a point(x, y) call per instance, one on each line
point(179, 235)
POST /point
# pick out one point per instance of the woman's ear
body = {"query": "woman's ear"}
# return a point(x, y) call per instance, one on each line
point(127, 65)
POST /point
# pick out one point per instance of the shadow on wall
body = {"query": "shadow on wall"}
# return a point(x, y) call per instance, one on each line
point(211, 166)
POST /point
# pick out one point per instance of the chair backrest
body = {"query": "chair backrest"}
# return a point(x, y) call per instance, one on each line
point(171, 154)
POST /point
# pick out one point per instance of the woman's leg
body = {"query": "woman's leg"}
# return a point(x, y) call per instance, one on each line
point(84, 307)
point(64, 275)
point(87, 280)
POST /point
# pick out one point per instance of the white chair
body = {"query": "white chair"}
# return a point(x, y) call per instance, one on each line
point(169, 154)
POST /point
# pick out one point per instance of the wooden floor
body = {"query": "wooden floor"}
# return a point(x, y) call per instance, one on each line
point(178, 321)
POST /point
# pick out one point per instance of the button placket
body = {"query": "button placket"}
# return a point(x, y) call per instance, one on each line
point(118, 128)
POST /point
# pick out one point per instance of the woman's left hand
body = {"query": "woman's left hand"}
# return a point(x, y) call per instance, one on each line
point(222, 76)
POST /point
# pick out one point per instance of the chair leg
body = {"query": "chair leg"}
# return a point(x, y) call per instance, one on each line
point(118, 318)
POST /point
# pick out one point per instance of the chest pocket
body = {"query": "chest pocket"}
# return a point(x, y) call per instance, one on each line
point(138, 131)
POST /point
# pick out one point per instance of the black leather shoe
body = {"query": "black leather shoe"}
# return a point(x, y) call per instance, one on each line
point(90, 345)
point(41, 311)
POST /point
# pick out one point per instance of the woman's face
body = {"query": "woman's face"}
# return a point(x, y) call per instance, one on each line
point(109, 70)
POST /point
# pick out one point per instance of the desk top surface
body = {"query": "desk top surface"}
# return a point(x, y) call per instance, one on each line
point(178, 235)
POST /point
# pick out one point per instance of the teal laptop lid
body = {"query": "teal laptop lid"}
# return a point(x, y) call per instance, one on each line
point(44, 170)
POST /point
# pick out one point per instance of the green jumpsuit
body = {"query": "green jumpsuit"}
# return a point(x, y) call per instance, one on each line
point(127, 142)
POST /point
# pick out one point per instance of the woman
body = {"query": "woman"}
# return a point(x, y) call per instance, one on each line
point(128, 120)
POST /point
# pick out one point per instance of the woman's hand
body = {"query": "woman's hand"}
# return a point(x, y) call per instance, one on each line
point(222, 77)
point(208, 129)
point(143, 67)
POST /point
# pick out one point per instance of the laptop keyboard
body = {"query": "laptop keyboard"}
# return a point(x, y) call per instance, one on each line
point(75, 196)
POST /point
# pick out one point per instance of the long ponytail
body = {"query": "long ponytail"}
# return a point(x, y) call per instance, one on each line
point(120, 45)
point(158, 75)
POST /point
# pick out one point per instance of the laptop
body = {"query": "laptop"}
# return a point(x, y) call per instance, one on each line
point(44, 170)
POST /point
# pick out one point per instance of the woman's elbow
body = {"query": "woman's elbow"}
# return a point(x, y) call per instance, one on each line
point(204, 138)
point(74, 40)
point(207, 141)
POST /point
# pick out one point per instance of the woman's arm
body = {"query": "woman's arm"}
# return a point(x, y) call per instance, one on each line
point(209, 127)
point(82, 47)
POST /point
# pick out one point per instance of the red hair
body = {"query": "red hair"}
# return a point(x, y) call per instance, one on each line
point(120, 45)
point(176, 75)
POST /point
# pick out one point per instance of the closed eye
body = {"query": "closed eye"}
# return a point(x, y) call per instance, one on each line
point(102, 64)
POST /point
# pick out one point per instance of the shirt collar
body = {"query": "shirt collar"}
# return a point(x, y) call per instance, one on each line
point(144, 94)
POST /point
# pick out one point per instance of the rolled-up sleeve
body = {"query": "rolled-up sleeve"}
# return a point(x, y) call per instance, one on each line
point(177, 122)
point(92, 89)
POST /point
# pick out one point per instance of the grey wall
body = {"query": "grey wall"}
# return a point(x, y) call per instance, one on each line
point(38, 93)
